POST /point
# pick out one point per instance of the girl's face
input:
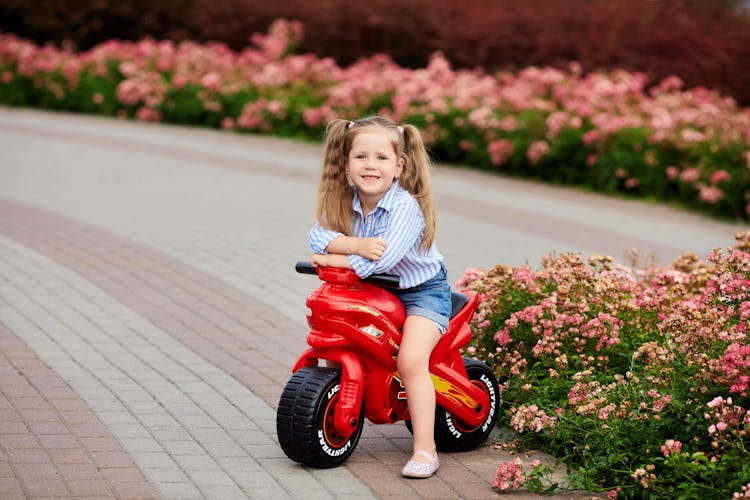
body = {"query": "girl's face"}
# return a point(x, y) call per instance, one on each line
point(372, 165)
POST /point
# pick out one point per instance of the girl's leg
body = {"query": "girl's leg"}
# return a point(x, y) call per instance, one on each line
point(419, 338)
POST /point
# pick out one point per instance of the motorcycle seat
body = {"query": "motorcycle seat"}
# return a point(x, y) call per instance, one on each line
point(458, 301)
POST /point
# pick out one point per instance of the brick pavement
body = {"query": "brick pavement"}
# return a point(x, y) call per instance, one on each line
point(145, 276)
point(51, 442)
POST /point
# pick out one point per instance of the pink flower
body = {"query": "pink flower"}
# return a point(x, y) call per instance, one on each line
point(719, 176)
point(631, 183)
point(227, 123)
point(715, 402)
point(509, 123)
point(499, 151)
point(531, 418)
point(179, 81)
point(612, 494)
point(8, 77)
point(690, 174)
point(710, 194)
point(590, 137)
point(736, 366)
point(509, 476)
point(502, 337)
point(591, 159)
point(556, 121)
point(672, 173)
point(147, 114)
point(536, 150)
point(671, 446)
point(314, 117)
point(164, 64)
point(605, 411)
point(128, 69)
point(212, 81)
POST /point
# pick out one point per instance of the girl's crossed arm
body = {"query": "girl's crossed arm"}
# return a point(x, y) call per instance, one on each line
point(367, 248)
point(326, 243)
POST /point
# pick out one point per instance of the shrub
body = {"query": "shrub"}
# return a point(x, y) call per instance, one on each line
point(636, 378)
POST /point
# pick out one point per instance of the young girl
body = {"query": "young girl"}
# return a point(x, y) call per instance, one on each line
point(376, 214)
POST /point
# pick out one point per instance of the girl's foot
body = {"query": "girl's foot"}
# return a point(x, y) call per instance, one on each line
point(421, 469)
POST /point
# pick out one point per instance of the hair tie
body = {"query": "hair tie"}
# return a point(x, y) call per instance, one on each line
point(350, 124)
point(400, 129)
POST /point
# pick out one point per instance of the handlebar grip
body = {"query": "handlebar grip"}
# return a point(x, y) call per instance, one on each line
point(384, 280)
point(304, 267)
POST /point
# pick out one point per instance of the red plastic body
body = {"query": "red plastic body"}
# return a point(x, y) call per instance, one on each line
point(358, 326)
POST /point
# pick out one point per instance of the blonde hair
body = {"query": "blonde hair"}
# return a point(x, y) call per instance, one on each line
point(335, 193)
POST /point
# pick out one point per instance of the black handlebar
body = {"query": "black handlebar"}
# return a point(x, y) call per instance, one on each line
point(303, 267)
point(384, 280)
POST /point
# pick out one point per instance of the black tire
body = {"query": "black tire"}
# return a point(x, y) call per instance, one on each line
point(452, 435)
point(304, 420)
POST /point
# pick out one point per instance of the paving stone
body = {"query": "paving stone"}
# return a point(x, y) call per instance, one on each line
point(176, 490)
point(171, 474)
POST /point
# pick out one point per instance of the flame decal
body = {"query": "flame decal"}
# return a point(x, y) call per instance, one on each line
point(365, 309)
point(452, 392)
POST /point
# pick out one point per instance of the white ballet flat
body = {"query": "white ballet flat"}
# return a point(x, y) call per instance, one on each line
point(422, 470)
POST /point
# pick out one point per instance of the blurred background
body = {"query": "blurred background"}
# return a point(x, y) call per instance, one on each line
point(704, 42)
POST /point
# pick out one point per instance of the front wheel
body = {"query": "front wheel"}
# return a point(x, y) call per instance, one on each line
point(304, 420)
point(451, 434)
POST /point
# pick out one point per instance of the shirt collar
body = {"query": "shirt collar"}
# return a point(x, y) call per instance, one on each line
point(386, 202)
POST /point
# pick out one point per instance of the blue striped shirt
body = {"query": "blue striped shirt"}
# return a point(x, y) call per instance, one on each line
point(397, 220)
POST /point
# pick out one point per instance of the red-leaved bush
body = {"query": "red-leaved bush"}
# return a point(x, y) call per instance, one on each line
point(705, 42)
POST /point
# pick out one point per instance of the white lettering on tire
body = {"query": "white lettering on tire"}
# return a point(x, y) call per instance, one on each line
point(493, 402)
point(330, 451)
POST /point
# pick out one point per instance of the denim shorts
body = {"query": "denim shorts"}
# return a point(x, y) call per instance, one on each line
point(431, 299)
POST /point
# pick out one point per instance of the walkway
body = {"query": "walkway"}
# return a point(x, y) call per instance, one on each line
point(150, 314)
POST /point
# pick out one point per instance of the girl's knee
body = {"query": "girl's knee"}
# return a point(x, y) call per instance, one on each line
point(412, 362)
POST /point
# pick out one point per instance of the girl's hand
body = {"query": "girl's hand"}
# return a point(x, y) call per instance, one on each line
point(331, 260)
point(318, 260)
point(370, 248)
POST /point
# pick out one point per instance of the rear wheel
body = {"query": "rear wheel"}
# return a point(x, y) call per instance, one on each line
point(304, 420)
point(451, 434)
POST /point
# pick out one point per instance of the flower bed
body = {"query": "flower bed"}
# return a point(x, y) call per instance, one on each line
point(604, 131)
point(637, 379)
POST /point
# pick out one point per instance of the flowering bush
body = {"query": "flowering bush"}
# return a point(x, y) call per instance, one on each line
point(601, 130)
point(636, 377)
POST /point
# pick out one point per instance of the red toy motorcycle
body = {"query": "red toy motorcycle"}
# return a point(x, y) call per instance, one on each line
point(356, 326)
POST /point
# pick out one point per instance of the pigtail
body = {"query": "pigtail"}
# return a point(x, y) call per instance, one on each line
point(415, 178)
point(334, 192)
